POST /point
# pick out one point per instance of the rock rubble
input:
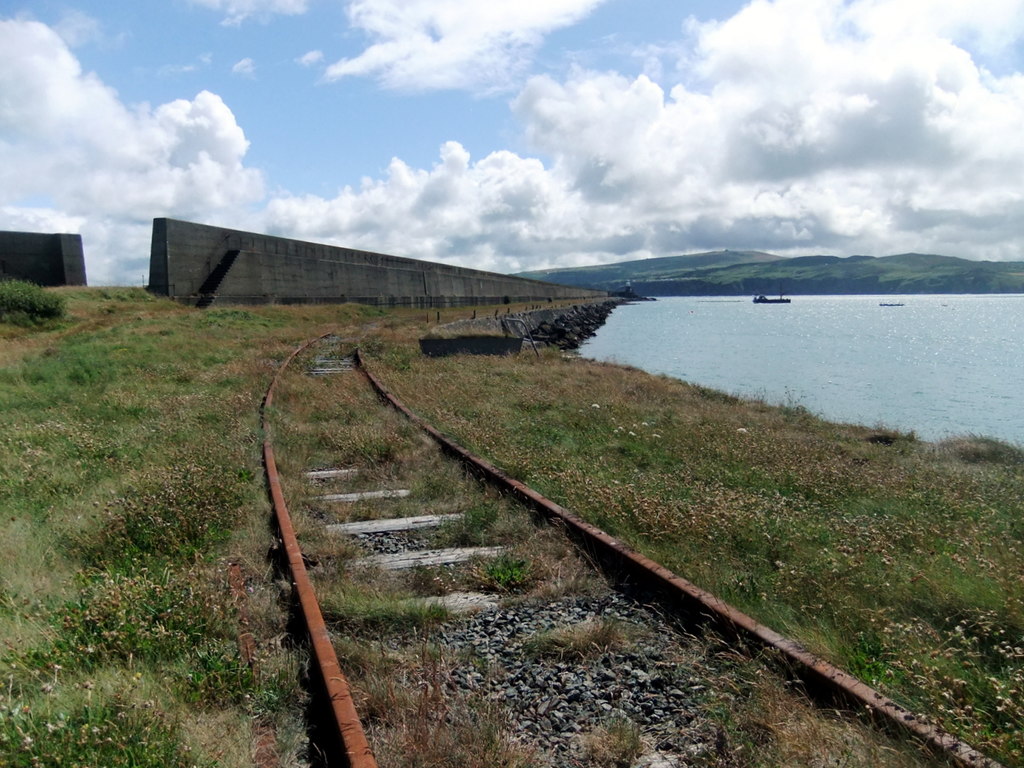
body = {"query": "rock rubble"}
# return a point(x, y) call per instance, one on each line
point(564, 327)
point(570, 329)
point(554, 703)
point(392, 542)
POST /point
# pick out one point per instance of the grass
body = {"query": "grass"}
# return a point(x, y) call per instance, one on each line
point(113, 734)
point(897, 559)
point(413, 719)
point(26, 304)
point(581, 641)
point(615, 745)
point(176, 512)
point(129, 476)
point(143, 616)
point(320, 422)
point(441, 332)
point(438, 730)
point(504, 573)
point(764, 721)
point(376, 611)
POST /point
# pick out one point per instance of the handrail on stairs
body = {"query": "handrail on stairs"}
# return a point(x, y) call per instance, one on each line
point(526, 330)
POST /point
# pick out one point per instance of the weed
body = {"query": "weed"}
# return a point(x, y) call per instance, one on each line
point(472, 529)
point(765, 722)
point(145, 616)
point(504, 573)
point(981, 450)
point(216, 677)
point(580, 641)
point(433, 581)
point(366, 445)
point(220, 317)
point(487, 521)
point(352, 609)
point(418, 725)
point(175, 512)
point(113, 735)
point(867, 659)
point(23, 303)
point(616, 744)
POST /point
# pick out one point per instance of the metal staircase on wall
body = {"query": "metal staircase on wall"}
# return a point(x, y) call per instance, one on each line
point(208, 290)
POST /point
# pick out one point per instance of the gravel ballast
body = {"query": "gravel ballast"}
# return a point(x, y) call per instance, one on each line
point(553, 703)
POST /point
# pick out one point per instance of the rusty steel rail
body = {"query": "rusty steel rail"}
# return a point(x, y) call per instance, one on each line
point(348, 730)
point(821, 676)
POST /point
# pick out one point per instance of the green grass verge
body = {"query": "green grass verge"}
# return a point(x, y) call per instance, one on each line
point(129, 475)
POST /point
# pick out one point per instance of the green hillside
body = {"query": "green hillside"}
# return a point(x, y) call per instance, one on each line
point(732, 273)
point(666, 267)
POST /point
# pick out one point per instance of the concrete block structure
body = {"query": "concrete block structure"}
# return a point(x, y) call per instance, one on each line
point(43, 259)
point(199, 264)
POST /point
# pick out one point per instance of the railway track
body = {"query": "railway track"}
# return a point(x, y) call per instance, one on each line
point(471, 627)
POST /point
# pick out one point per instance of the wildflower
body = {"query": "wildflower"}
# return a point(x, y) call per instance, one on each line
point(595, 405)
point(742, 430)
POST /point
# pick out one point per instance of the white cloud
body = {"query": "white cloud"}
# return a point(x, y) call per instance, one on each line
point(436, 44)
point(501, 212)
point(804, 130)
point(245, 67)
point(310, 58)
point(804, 126)
point(201, 62)
point(991, 26)
point(798, 126)
point(106, 167)
point(77, 28)
point(35, 219)
point(237, 11)
point(170, 70)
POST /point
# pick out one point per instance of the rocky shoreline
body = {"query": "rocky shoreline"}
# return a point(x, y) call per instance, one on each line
point(570, 329)
point(563, 327)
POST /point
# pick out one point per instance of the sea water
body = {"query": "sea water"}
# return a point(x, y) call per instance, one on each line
point(939, 366)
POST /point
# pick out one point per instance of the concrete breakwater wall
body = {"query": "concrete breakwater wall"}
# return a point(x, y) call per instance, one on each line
point(562, 327)
point(200, 264)
point(41, 258)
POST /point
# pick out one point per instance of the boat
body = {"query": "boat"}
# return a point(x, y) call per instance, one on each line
point(762, 299)
point(890, 304)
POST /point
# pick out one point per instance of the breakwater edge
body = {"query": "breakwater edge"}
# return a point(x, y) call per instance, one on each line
point(563, 327)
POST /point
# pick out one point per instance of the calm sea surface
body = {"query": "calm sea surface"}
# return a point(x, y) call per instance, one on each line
point(938, 365)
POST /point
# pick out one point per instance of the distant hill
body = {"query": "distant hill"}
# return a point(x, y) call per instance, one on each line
point(666, 267)
point(738, 273)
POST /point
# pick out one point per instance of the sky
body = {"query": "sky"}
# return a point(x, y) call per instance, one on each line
point(512, 135)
